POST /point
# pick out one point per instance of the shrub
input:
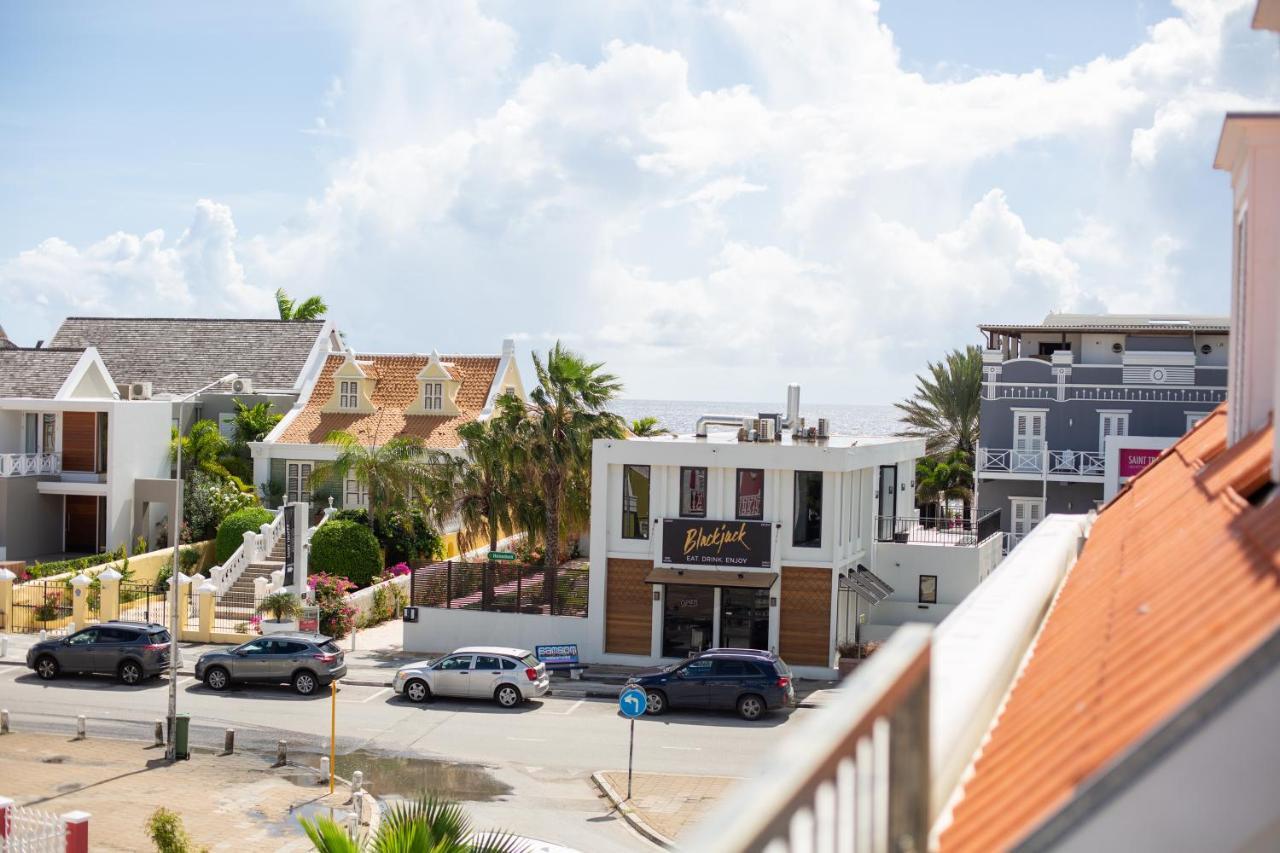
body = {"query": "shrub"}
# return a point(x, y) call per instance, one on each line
point(347, 549)
point(168, 834)
point(44, 570)
point(207, 501)
point(281, 605)
point(187, 558)
point(234, 526)
point(336, 616)
point(140, 545)
point(404, 536)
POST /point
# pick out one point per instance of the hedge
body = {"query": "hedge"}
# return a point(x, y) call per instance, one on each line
point(346, 549)
point(44, 570)
point(232, 529)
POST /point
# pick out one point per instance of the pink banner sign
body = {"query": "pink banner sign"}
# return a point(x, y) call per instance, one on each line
point(1133, 460)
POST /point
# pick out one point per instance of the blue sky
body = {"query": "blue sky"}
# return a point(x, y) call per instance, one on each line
point(716, 197)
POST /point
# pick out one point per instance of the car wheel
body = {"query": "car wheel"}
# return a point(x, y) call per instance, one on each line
point(655, 702)
point(305, 682)
point(130, 672)
point(217, 678)
point(417, 691)
point(751, 707)
point(47, 667)
point(507, 696)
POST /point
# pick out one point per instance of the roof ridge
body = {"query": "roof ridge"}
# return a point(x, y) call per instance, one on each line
point(198, 319)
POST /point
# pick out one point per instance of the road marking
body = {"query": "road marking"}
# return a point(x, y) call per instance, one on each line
point(529, 739)
point(568, 710)
point(685, 748)
point(381, 692)
point(187, 680)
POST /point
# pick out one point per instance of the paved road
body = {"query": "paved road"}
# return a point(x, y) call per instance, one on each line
point(531, 764)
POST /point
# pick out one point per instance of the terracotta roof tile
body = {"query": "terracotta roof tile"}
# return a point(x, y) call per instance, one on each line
point(1130, 639)
point(395, 389)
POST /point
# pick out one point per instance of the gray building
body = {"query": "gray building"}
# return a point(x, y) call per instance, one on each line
point(1074, 405)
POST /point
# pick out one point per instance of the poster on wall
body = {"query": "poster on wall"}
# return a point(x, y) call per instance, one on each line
point(289, 544)
point(1134, 459)
point(696, 542)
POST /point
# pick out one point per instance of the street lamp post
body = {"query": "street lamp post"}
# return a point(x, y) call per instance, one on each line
point(171, 746)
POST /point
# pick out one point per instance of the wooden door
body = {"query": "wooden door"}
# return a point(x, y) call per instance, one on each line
point(81, 524)
point(79, 437)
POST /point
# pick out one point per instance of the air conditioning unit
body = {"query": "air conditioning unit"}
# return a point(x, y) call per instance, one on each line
point(244, 385)
point(134, 391)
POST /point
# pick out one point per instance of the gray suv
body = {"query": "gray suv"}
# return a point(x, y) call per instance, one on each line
point(132, 651)
point(307, 661)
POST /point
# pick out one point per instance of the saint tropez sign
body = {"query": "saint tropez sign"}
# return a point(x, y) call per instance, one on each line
point(698, 542)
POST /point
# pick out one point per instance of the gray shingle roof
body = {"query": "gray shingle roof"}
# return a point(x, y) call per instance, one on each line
point(179, 355)
point(36, 373)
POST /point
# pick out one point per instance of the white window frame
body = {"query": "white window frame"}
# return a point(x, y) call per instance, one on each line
point(1020, 457)
point(348, 394)
point(1032, 515)
point(227, 425)
point(433, 396)
point(297, 481)
point(1194, 418)
point(1118, 419)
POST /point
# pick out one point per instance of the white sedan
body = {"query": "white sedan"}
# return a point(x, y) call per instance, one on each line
point(508, 676)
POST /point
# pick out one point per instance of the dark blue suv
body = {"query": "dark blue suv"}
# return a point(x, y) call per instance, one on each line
point(749, 681)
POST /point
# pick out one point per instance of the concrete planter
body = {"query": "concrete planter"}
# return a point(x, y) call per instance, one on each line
point(848, 665)
point(271, 626)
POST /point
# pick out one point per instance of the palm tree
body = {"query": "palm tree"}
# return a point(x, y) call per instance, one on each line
point(392, 474)
point(943, 478)
point(648, 426)
point(202, 449)
point(429, 825)
point(311, 308)
point(944, 409)
point(252, 423)
point(567, 411)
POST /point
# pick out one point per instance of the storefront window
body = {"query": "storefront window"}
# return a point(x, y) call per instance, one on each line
point(635, 501)
point(750, 501)
point(687, 620)
point(744, 618)
point(806, 529)
point(693, 492)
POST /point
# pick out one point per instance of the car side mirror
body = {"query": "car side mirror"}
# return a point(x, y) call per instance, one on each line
point(680, 673)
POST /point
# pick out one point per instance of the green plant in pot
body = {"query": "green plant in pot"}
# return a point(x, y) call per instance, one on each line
point(284, 607)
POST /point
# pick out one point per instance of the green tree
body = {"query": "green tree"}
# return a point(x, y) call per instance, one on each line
point(944, 409)
point(648, 426)
point(311, 308)
point(429, 825)
point(252, 423)
point(394, 474)
point(943, 479)
point(566, 412)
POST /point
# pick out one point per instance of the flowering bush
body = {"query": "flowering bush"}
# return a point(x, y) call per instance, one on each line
point(337, 617)
point(398, 570)
point(207, 501)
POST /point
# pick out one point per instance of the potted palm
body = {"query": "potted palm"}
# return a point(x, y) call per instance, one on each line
point(284, 608)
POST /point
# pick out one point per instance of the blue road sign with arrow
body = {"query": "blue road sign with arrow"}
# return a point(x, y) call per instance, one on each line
point(632, 703)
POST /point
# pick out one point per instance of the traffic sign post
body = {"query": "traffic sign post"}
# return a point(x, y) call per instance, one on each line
point(502, 556)
point(632, 702)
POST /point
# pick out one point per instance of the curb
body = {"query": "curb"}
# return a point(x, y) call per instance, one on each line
point(629, 814)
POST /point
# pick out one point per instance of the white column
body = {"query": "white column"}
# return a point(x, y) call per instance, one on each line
point(655, 636)
point(602, 519)
point(302, 548)
point(250, 546)
point(715, 619)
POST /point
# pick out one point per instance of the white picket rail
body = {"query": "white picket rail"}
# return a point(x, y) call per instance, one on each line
point(254, 547)
point(28, 830)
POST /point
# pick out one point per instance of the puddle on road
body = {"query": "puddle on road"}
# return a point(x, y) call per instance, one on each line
point(408, 777)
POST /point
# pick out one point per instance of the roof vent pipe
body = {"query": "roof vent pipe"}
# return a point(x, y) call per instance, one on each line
point(793, 406)
point(738, 421)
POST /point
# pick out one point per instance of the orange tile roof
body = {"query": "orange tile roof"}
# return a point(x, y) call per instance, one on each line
point(395, 389)
point(1178, 581)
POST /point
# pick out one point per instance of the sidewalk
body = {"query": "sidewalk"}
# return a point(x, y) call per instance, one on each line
point(663, 806)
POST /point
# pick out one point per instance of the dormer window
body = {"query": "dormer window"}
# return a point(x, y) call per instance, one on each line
point(348, 394)
point(433, 396)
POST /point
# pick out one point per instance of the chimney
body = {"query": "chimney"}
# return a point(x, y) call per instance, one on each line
point(508, 346)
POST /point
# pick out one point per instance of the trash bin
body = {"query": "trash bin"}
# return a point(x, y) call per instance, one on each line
point(181, 738)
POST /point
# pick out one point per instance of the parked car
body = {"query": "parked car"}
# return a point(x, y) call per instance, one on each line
point(132, 651)
point(508, 676)
point(305, 660)
point(750, 681)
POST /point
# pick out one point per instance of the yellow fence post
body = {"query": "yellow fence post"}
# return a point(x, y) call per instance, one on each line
point(109, 595)
point(80, 600)
point(207, 590)
point(6, 599)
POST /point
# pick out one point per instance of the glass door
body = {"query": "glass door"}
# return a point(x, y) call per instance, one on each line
point(744, 618)
point(888, 502)
point(687, 620)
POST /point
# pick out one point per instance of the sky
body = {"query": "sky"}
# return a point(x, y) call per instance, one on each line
point(714, 198)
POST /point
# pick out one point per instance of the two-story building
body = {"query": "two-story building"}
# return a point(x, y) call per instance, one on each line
point(81, 470)
point(1076, 404)
point(754, 537)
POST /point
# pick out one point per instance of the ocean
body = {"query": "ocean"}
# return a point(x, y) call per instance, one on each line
point(679, 416)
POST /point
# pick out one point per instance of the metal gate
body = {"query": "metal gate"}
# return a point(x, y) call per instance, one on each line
point(143, 602)
point(28, 830)
point(40, 605)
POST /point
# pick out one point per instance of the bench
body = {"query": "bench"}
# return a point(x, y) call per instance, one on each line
point(561, 658)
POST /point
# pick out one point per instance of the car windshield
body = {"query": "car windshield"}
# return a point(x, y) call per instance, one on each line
point(157, 637)
point(330, 648)
point(530, 660)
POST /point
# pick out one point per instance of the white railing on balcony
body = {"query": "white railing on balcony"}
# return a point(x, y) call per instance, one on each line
point(1105, 393)
point(853, 777)
point(30, 464)
point(1043, 462)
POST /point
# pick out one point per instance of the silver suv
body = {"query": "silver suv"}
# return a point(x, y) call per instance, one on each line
point(131, 651)
point(307, 661)
point(508, 676)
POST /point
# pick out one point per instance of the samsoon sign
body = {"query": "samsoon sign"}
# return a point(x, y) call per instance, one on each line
point(1134, 459)
point(696, 542)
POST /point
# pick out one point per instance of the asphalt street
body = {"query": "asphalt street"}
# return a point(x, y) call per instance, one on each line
point(526, 770)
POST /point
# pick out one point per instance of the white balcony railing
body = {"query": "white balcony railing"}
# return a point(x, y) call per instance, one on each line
point(30, 464)
point(1042, 462)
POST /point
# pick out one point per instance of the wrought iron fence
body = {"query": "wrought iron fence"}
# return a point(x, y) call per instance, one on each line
point(947, 530)
point(234, 611)
point(143, 602)
point(500, 588)
point(40, 606)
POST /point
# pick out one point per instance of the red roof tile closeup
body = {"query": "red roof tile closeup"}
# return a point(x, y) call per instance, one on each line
point(395, 389)
point(1178, 581)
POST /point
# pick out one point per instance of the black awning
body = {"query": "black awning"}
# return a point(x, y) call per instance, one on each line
point(711, 577)
point(867, 584)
